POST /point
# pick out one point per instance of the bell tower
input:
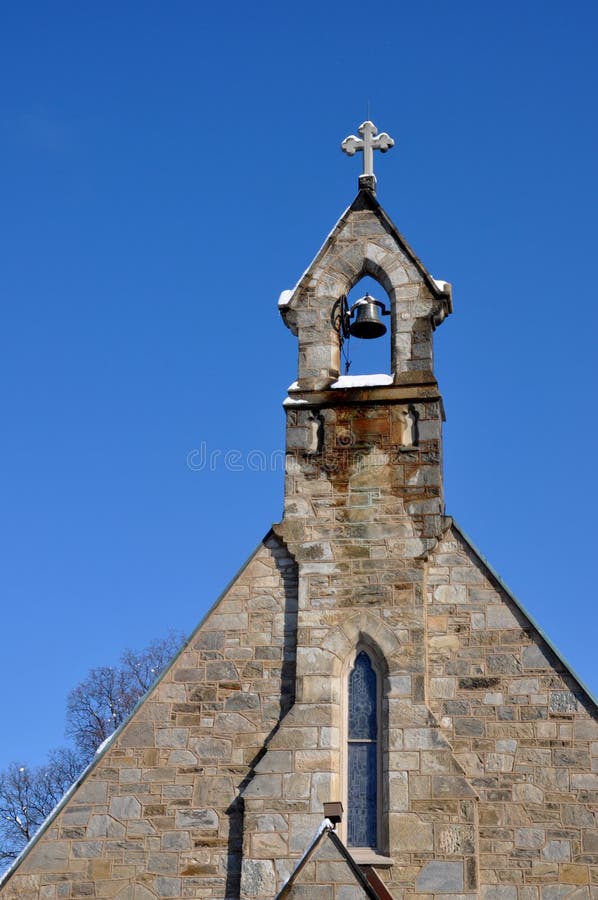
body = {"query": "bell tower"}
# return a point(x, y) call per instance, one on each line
point(371, 443)
point(364, 509)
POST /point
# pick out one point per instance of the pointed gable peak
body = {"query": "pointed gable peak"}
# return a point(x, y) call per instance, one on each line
point(347, 249)
point(364, 242)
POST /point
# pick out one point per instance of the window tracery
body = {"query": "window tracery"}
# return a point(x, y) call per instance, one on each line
point(363, 754)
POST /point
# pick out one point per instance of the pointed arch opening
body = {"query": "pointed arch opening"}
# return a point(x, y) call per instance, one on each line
point(368, 357)
point(363, 756)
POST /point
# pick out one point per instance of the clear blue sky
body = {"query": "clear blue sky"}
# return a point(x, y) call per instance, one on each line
point(169, 168)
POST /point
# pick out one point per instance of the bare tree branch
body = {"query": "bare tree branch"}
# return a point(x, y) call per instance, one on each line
point(95, 709)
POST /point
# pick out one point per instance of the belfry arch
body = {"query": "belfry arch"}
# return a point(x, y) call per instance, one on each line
point(364, 242)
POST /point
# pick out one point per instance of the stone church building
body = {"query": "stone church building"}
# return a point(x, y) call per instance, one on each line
point(366, 712)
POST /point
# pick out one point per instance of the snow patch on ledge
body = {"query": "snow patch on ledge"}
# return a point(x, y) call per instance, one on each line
point(104, 744)
point(443, 286)
point(352, 381)
point(356, 381)
point(285, 298)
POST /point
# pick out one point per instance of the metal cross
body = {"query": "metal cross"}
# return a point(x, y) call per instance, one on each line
point(370, 141)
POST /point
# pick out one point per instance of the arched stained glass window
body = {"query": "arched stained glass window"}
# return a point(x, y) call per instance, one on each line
point(362, 792)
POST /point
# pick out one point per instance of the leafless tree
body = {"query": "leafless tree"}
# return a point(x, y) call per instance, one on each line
point(100, 703)
point(29, 794)
point(95, 708)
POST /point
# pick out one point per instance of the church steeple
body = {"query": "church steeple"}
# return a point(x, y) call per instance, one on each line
point(336, 422)
point(364, 242)
point(364, 505)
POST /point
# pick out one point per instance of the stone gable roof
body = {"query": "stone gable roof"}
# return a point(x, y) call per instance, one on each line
point(327, 862)
point(365, 201)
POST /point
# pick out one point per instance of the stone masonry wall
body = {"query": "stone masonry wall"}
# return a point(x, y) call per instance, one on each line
point(490, 750)
point(360, 517)
point(522, 729)
point(159, 816)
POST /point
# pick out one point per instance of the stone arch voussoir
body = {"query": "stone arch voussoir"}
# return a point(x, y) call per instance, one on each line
point(363, 627)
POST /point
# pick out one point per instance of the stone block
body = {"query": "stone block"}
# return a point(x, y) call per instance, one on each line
point(182, 758)
point(350, 892)
point(499, 762)
point(99, 869)
point(274, 761)
point(242, 701)
point(312, 660)
point(586, 729)
point(125, 808)
point(224, 622)
point(138, 734)
point(198, 819)
point(232, 723)
point(173, 738)
point(442, 688)
point(398, 789)
point(455, 840)
point(316, 761)
point(530, 838)
point(440, 877)
point(574, 874)
point(533, 657)
point(587, 782)
point(315, 689)
point(498, 892)
point(451, 786)
point(557, 851)
point(493, 698)
point(263, 786)
point(105, 826)
point(296, 786)
point(176, 840)
point(51, 856)
point(268, 846)
point(165, 886)
point(469, 727)
point(76, 815)
point(258, 878)
point(302, 829)
point(450, 593)
point(268, 822)
point(301, 891)
point(423, 739)
point(409, 834)
point(93, 791)
point(399, 686)
point(501, 617)
point(562, 702)
point(161, 863)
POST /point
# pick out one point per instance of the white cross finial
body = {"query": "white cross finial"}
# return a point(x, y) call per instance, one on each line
point(370, 140)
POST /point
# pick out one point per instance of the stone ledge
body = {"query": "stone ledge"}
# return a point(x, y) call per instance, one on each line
point(393, 393)
point(363, 856)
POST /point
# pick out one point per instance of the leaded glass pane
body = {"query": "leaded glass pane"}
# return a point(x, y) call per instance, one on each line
point(362, 700)
point(363, 801)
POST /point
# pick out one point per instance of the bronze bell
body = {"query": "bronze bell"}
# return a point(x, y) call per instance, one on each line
point(368, 323)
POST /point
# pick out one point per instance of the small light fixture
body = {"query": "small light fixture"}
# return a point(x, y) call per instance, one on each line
point(334, 812)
